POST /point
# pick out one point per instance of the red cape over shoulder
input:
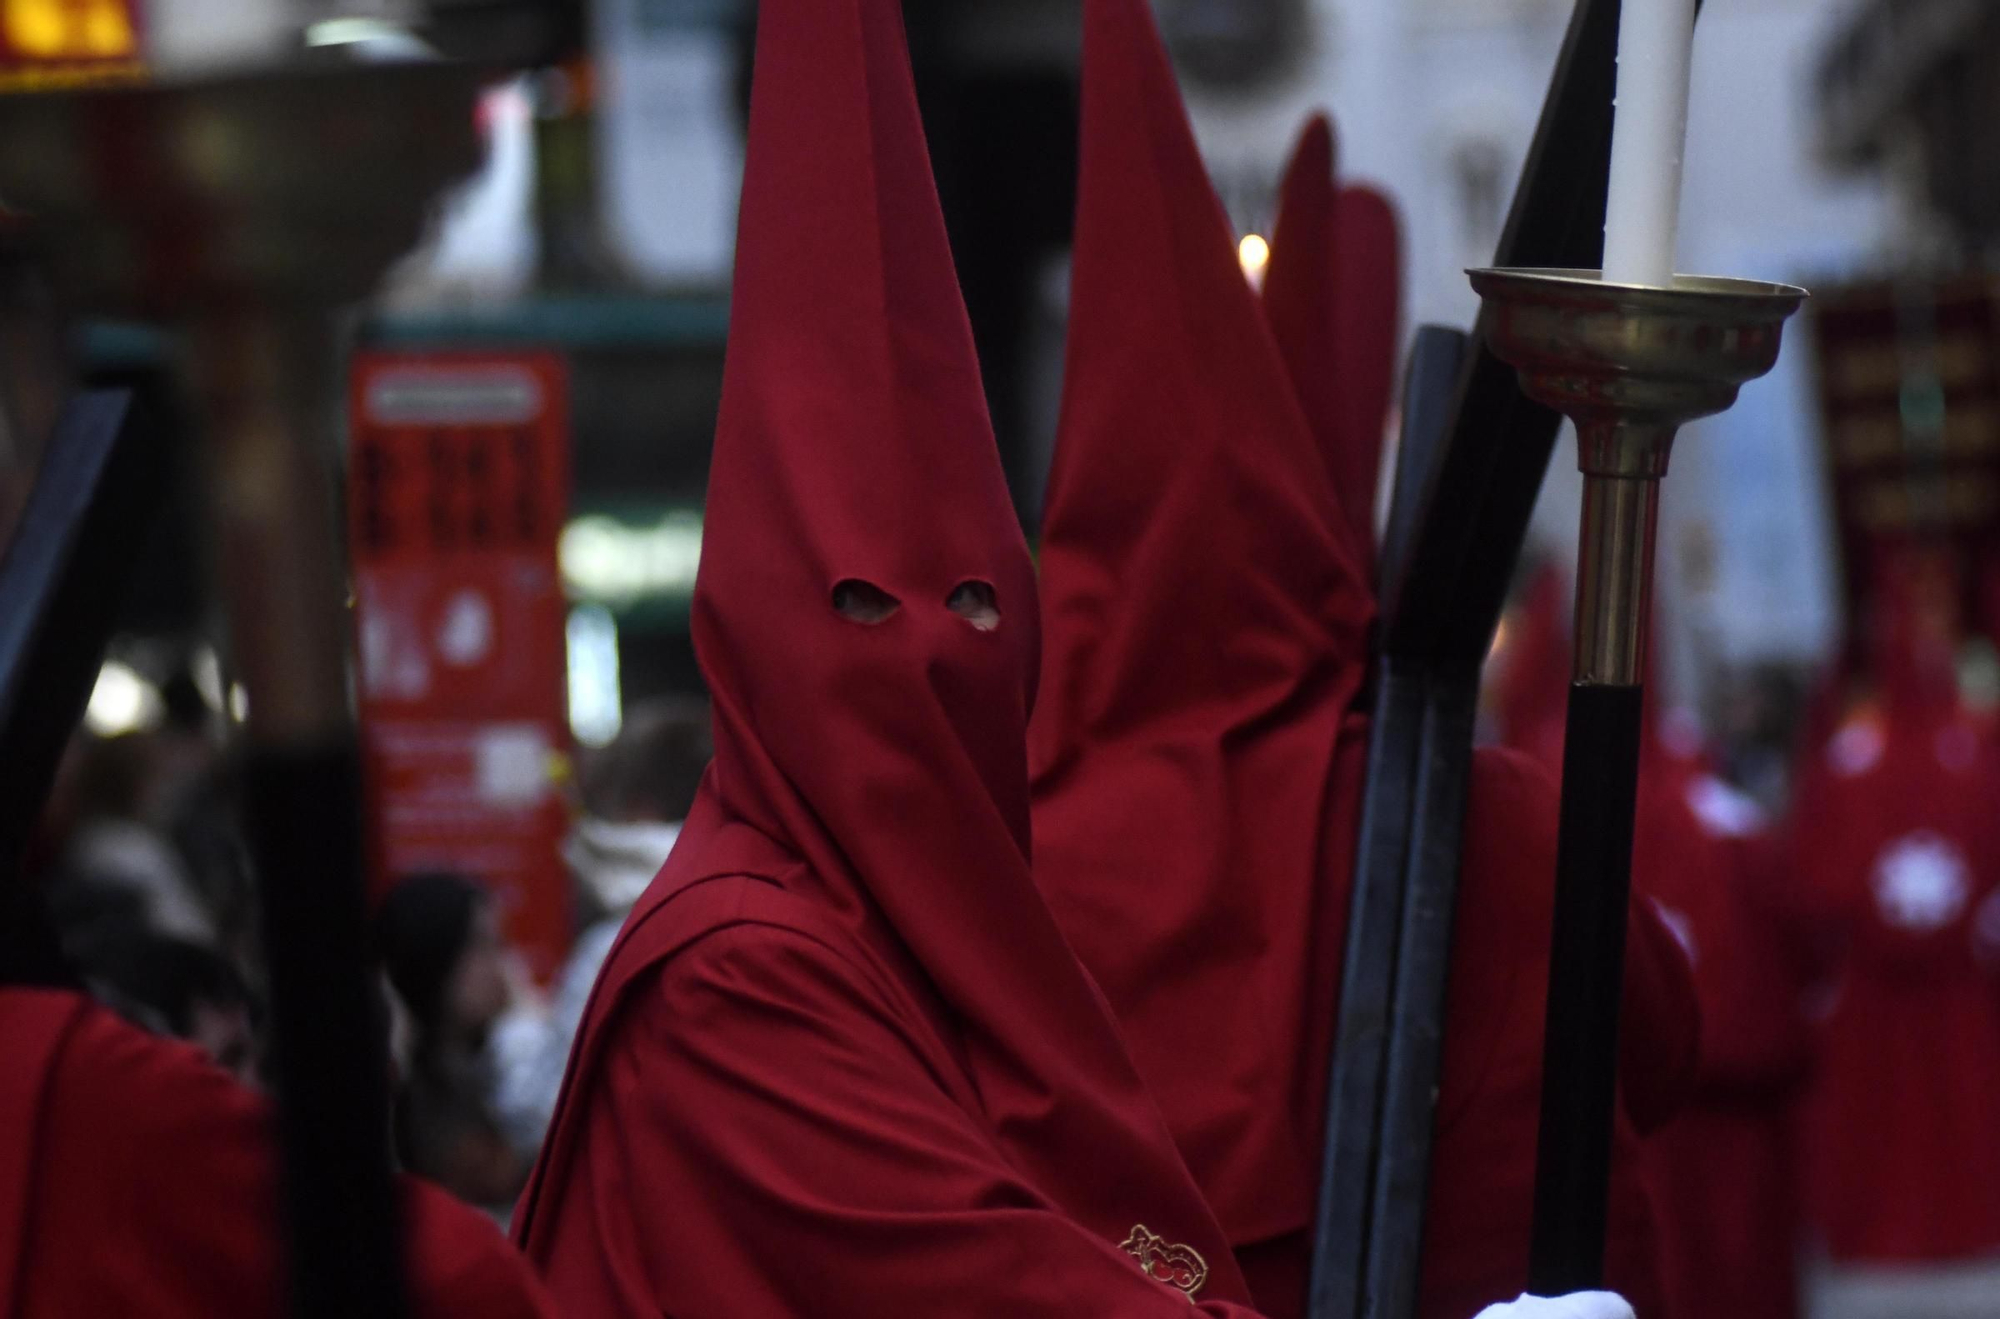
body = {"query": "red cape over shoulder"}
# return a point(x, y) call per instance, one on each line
point(137, 1179)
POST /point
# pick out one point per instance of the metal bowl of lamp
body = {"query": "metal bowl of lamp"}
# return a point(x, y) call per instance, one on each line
point(307, 182)
point(1633, 356)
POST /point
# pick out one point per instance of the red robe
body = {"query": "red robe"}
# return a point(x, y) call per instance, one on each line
point(137, 1179)
point(1725, 1169)
point(768, 1115)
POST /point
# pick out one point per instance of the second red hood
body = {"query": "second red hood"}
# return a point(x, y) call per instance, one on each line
point(1207, 631)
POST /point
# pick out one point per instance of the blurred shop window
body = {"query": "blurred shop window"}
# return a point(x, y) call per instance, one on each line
point(670, 154)
point(1236, 45)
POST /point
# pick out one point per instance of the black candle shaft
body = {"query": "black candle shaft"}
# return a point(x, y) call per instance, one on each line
point(1586, 983)
point(303, 809)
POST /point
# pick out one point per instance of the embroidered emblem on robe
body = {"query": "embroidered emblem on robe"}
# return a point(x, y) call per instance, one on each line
point(1177, 1266)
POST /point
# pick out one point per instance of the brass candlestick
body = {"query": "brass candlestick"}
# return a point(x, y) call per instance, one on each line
point(247, 211)
point(1629, 365)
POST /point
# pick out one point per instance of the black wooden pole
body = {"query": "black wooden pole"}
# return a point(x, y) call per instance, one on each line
point(1341, 1227)
point(329, 1049)
point(63, 578)
point(1586, 970)
point(1423, 977)
point(268, 379)
point(1355, 1088)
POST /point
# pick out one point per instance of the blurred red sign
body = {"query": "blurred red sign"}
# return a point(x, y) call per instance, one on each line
point(46, 45)
point(458, 484)
point(1910, 394)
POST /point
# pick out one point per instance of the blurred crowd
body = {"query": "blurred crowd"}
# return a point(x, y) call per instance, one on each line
point(148, 881)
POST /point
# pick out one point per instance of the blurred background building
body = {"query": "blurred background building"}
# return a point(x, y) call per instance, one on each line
point(580, 287)
point(1829, 140)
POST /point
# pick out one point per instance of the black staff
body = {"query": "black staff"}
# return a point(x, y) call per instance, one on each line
point(1474, 454)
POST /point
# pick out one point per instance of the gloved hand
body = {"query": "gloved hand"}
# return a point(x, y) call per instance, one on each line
point(1583, 1305)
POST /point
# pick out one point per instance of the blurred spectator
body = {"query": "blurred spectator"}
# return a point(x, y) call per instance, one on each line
point(636, 792)
point(175, 988)
point(206, 830)
point(196, 803)
point(1763, 715)
point(117, 845)
point(187, 743)
point(440, 941)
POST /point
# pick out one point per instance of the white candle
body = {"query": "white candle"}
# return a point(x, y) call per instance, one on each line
point(1648, 139)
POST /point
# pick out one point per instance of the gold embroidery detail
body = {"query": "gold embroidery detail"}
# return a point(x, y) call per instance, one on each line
point(1181, 1267)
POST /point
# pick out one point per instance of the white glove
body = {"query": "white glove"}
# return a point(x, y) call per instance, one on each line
point(1583, 1305)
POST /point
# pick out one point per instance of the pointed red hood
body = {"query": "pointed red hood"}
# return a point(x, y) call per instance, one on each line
point(1207, 633)
point(1301, 292)
point(853, 446)
point(1333, 293)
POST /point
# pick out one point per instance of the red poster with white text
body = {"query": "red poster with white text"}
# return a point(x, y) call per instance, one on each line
point(458, 487)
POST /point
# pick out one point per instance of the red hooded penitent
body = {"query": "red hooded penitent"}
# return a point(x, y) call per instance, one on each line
point(841, 1061)
point(1199, 752)
point(1895, 876)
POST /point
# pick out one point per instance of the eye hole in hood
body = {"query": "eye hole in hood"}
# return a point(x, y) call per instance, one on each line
point(976, 603)
point(864, 602)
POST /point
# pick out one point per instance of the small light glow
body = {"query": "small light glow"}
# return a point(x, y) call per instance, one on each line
point(239, 702)
point(1255, 254)
point(206, 669)
point(374, 40)
point(605, 561)
point(596, 704)
point(123, 701)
